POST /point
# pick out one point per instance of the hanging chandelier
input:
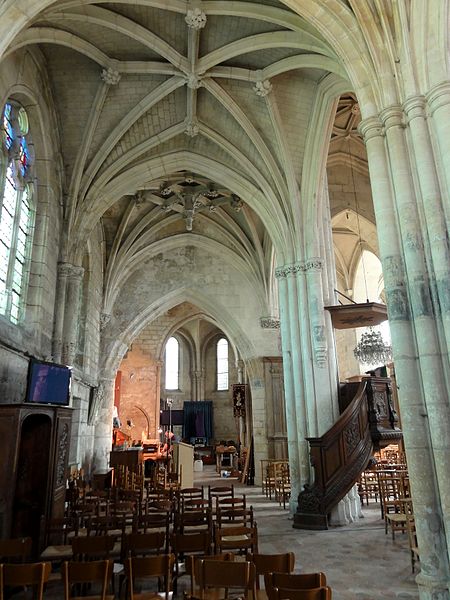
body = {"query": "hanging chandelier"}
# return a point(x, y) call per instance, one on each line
point(372, 350)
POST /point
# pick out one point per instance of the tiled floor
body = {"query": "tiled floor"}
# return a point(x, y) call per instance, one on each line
point(359, 560)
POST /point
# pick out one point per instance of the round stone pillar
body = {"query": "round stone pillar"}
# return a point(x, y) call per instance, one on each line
point(289, 392)
point(433, 580)
point(104, 401)
point(71, 313)
point(60, 302)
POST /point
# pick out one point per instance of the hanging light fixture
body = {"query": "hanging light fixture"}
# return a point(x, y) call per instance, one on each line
point(371, 349)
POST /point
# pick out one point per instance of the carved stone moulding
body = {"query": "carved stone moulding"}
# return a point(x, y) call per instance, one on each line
point(269, 323)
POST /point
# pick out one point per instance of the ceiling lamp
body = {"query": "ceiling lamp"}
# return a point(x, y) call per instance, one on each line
point(372, 350)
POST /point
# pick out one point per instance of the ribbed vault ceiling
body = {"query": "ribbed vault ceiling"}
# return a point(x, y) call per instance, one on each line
point(135, 81)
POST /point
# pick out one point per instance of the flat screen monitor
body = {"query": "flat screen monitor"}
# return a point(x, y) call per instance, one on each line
point(48, 383)
point(176, 418)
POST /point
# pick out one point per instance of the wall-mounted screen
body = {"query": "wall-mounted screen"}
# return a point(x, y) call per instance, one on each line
point(176, 418)
point(48, 383)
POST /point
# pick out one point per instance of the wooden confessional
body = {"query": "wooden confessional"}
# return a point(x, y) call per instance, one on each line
point(34, 446)
point(368, 421)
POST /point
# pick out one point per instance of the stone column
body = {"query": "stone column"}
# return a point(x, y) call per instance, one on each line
point(439, 112)
point(103, 426)
point(420, 280)
point(199, 384)
point(325, 380)
point(433, 580)
point(60, 302)
point(430, 204)
point(71, 313)
point(289, 394)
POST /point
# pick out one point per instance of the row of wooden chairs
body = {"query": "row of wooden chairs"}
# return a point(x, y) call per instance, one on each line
point(276, 480)
point(117, 501)
point(218, 572)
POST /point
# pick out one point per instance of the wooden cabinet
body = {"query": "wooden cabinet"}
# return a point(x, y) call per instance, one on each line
point(34, 446)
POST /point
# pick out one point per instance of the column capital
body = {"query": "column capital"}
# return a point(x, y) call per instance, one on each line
point(314, 264)
point(438, 96)
point(69, 270)
point(269, 323)
point(371, 128)
point(414, 107)
point(393, 116)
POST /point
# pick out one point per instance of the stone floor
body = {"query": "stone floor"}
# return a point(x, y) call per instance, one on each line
point(359, 560)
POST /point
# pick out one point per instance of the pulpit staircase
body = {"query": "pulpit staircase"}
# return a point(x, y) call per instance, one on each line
point(368, 421)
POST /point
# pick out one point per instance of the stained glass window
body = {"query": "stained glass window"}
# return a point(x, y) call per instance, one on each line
point(222, 364)
point(172, 363)
point(16, 213)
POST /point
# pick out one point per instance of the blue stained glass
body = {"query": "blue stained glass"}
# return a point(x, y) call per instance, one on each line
point(8, 131)
point(24, 156)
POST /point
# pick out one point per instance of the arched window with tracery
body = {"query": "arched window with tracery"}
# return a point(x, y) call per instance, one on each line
point(172, 364)
point(16, 210)
point(222, 364)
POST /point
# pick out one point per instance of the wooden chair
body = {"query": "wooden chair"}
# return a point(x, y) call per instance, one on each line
point(58, 531)
point(282, 486)
point(412, 538)
point(320, 593)
point(31, 574)
point(152, 521)
point(368, 488)
point(188, 504)
point(193, 562)
point(393, 499)
point(92, 547)
point(292, 581)
point(271, 563)
point(16, 550)
point(235, 517)
point(193, 520)
point(185, 544)
point(148, 567)
point(228, 503)
point(227, 575)
point(77, 576)
point(190, 493)
point(236, 539)
point(106, 525)
point(143, 544)
point(222, 491)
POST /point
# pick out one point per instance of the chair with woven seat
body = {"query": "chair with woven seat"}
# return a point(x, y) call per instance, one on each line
point(80, 576)
point(292, 581)
point(228, 503)
point(33, 575)
point(236, 539)
point(92, 547)
point(395, 505)
point(192, 565)
point(235, 517)
point(193, 520)
point(149, 567)
point(213, 574)
point(219, 491)
point(412, 538)
point(16, 550)
point(271, 563)
point(59, 531)
point(143, 544)
point(186, 544)
point(320, 593)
